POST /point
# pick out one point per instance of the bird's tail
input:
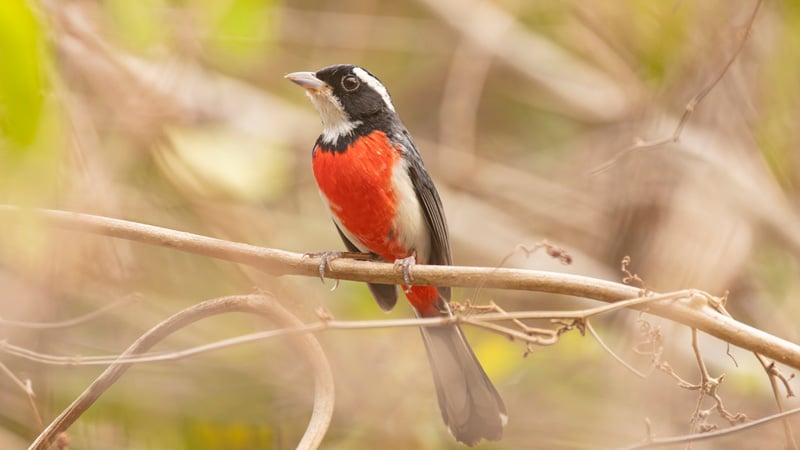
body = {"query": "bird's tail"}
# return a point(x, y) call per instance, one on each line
point(471, 406)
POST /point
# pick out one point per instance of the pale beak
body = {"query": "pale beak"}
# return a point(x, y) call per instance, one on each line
point(307, 80)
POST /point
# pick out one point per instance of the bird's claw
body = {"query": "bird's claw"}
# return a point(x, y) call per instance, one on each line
point(325, 259)
point(407, 264)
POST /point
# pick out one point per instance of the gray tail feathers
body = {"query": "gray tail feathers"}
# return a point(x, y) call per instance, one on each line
point(471, 407)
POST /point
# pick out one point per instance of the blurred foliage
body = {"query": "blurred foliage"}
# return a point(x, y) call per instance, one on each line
point(176, 113)
point(778, 146)
point(243, 32)
point(22, 81)
point(138, 25)
point(30, 122)
point(660, 35)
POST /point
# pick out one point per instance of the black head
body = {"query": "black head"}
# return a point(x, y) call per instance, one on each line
point(360, 93)
point(347, 98)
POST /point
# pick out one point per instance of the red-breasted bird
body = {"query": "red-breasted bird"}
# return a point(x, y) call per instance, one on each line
point(383, 202)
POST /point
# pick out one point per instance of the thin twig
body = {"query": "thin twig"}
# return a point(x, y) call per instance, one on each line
point(552, 250)
point(27, 388)
point(486, 314)
point(19, 383)
point(769, 368)
point(663, 442)
point(511, 333)
point(482, 320)
point(708, 387)
point(702, 388)
point(326, 322)
point(773, 374)
point(75, 321)
point(612, 353)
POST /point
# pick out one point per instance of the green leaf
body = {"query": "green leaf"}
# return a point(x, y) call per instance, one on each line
point(21, 76)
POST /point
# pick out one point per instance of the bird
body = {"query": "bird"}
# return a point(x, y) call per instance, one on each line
point(383, 203)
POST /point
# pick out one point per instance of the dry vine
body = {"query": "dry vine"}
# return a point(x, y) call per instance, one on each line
point(306, 344)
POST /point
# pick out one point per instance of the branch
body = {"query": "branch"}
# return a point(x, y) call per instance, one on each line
point(691, 438)
point(307, 346)
point(694, 310)
point(464, 315)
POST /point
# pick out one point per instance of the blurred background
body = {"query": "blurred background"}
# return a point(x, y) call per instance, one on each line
point(176, 113)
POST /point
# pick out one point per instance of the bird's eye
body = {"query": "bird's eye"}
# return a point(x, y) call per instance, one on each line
point(350, 83)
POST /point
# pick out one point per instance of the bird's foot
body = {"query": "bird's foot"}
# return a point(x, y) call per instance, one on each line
point(325, 259)
point(407, 264)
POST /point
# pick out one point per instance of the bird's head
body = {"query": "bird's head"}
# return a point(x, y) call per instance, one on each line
point(346, 97)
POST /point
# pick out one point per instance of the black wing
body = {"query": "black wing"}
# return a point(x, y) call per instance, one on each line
point(385, 294)
point(431, 207)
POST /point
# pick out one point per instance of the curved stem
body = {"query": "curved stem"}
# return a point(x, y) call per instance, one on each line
point(262, 305)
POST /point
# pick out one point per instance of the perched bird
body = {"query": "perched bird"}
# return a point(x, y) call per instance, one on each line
point(383, 202)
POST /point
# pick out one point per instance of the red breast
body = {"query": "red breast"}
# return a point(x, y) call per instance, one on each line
point(357, 185)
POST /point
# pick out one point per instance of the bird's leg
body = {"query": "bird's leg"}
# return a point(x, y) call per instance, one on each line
point(325, 259)
point(406, 264)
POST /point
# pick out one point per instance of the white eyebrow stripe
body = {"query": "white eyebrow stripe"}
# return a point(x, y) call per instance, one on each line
point(375, 85)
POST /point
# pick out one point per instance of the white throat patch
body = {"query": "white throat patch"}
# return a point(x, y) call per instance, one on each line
point(335, 122)
point(376, 85)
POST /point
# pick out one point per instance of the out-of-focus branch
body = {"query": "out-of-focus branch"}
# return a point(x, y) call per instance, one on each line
point(458, 113)
point(691, 105)
point(396, 33)
point(70, 322)
point(307, 346)
point(586, 92)
point(691, 438)
point(694, 310)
